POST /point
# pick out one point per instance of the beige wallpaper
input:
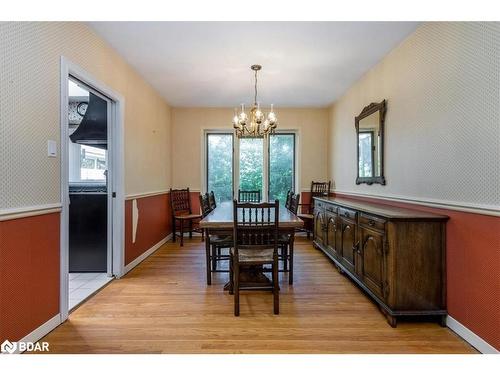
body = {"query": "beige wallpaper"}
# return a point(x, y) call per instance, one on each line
point(29, 111)
point(442, 86)
point(188, 125)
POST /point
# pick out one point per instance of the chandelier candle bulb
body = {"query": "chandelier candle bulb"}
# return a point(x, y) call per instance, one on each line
point(235, 119)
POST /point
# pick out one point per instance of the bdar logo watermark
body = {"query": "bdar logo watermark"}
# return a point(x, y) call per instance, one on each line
point(8, 347)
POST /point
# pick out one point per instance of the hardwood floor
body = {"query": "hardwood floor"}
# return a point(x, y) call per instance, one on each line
point(165, 306)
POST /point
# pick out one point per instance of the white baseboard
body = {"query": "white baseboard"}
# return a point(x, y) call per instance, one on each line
point(469, 336)
point(145, 254)
point(40, 332)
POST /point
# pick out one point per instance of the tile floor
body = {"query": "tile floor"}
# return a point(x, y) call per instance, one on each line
point(82, 285)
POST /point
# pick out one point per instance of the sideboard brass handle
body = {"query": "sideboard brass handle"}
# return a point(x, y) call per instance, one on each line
point(371, 223)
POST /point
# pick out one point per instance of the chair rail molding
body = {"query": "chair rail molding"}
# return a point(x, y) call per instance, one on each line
point(146, 194)
point(22, 212)
point(481, 209)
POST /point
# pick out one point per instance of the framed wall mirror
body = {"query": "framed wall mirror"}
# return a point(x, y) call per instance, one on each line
point(370, 144)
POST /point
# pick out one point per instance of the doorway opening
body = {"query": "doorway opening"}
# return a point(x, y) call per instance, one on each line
point(89, 252)
point(92, 186)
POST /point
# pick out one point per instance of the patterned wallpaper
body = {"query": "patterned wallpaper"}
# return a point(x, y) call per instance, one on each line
point(442, 86)
point(30, 55)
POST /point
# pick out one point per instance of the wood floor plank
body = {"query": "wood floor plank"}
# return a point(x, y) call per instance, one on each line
point(165, 306)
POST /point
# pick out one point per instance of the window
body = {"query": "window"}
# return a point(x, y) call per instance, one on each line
point(219, 147)
point(281, 165)
point(264, 164)
point(86, 163)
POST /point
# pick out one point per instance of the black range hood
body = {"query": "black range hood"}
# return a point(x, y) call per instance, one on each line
point(93, 130)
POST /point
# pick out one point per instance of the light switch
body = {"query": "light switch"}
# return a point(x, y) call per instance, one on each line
point(51, 148)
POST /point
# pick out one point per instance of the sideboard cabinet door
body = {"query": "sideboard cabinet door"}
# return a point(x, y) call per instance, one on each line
point(319, 226)
point(372, 260)
point(348, 243)
point(331, 232)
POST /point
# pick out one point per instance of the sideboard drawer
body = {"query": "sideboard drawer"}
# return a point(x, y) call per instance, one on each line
point(373, 222)
point(319, 204)
point(347, 213)
point(331, 208)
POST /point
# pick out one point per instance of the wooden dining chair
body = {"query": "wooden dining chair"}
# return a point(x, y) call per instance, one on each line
point(181, 212)
point(216, 242)
point(205, 210)
point(205, 205)
point(293, 206)
point(318, 189)
point(286, 241)
point(249, 196)
point(211, 200)
point(289, 194)
point(255, 237)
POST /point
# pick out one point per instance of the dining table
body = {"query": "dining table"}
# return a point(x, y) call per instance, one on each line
point(220, 222)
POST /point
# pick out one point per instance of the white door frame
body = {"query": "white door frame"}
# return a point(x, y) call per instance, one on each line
point(116, 182)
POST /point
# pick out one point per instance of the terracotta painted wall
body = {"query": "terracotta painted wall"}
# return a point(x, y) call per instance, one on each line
point(154, 223)
point(29, 274)
point(472, 263)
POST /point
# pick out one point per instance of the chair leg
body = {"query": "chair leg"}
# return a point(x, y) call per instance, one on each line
point(231, 276)
point(182, 232)
point(207, 254)
point(190, 228)
point(276, 295)
point(214, 258)
point(174, 224)
point(236, 287)
point(290, 273)
point(284, 252)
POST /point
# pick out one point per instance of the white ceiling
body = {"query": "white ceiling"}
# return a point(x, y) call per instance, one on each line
point(207, 64)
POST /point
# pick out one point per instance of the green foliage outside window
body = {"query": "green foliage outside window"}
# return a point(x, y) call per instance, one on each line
point(281, 165)
point(251, 163)
point(220, 166)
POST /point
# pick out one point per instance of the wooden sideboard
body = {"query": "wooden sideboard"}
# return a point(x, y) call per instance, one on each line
point(396, 255)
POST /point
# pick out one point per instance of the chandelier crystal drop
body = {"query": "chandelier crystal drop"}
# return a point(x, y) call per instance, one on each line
point(257, 124)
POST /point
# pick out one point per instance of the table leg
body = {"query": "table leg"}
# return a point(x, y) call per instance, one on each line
point(207, 254)
point(290, 263)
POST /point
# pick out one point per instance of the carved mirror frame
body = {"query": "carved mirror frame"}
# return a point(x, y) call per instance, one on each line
point(367, 111)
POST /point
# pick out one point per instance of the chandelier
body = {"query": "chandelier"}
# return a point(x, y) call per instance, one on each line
point(257, 124)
